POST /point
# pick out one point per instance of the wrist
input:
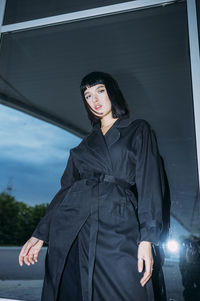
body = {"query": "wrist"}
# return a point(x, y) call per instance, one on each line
point(145, 242)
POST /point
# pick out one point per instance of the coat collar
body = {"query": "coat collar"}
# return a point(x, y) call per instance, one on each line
point(95, 141)
point(122, 121)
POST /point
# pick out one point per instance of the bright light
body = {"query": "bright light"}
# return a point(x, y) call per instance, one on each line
point(173, 246)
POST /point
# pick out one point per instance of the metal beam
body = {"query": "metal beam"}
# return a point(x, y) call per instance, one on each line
point(195, 71)
point(34, 111)
point(86, 14)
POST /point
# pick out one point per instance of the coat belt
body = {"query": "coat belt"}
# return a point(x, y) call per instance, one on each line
point(100, 177)
point(97, 177)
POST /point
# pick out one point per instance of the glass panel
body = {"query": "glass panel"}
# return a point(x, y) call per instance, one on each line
point(33, 153)
point(24, 10)
point(33, 156)
point(198, 16)
point(149, 56)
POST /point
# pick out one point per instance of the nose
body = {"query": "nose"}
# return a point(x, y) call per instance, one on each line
point(95, 98)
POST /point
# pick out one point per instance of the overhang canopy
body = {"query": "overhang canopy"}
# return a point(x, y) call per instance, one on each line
point(147, 52)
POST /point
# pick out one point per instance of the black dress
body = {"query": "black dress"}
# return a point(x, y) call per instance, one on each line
point(111, 198)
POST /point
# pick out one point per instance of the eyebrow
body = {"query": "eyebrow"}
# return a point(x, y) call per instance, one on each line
point(96, 89)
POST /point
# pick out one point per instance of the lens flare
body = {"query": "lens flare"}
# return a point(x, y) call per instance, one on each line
point(173, 246)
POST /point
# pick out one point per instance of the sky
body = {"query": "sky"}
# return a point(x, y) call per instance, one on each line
point(33, 156)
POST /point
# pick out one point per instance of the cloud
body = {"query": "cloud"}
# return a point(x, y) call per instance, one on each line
point(33, 155)
point(30, 183)
point(28, 139)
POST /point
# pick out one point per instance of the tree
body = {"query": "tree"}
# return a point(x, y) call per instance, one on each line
point(18, 220)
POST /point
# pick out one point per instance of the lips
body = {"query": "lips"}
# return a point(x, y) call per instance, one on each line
point(97, 107)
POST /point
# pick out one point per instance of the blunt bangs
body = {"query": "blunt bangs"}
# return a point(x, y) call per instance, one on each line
point(119, 105)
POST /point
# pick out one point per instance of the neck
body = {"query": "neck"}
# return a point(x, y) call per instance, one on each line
point(107, 120)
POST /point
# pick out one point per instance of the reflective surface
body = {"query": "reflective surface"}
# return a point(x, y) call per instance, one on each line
point(198, 15)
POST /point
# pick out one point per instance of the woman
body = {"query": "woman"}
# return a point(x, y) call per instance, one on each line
point(102, 224)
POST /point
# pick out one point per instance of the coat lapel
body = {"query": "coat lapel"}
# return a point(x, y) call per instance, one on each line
point(115, 133)
point(96, 141)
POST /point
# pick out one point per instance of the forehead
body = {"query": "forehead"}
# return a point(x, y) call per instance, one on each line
point(93, 88)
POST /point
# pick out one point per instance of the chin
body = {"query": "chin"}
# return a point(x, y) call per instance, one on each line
point(100, 113)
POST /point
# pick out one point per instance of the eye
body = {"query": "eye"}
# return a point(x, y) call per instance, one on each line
point(102, 90)
point(87, 97)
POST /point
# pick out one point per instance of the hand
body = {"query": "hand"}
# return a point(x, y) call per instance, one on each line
point(145, 255)
point(30, 250)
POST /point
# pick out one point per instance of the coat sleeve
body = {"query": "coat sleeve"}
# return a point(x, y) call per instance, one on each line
point(149, 184)
point(68, 178)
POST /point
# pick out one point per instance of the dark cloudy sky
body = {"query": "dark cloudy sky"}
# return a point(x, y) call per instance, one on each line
point(33, 155)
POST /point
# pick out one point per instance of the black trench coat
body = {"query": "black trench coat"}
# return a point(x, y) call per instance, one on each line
point(111, 198)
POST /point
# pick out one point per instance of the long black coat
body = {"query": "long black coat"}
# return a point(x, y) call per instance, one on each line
point(107, 217)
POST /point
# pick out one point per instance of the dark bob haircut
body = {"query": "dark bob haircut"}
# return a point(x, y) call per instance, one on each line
point(119, 105)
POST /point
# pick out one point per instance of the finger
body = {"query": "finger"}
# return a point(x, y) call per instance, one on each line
point(148, 267)
point(21, 259)
point(37, 249)
point(148, 271)
point(21, 256)
point(26, 249)
point(145, 281)
point(35, 258)
point(26, 260)
point(22, 250)
point(145, 278)
point(140, 264)
point(30, 257)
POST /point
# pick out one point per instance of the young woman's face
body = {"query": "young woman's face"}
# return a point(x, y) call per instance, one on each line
point(98, 100)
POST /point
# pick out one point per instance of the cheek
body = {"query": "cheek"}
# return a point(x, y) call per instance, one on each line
point(106, 100)
point(89, 102)
point(108, 103)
